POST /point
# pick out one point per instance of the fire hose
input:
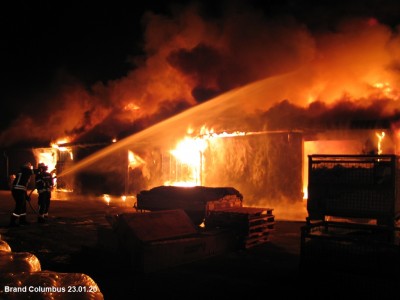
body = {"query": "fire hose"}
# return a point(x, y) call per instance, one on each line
point(28, 199)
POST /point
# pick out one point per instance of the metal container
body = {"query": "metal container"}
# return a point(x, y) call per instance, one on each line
point(354, 186)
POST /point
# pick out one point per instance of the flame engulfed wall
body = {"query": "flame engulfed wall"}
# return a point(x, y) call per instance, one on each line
point(265, 167)
point(252, 163)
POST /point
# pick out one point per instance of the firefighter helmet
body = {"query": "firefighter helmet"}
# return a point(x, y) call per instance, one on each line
point(42, 166)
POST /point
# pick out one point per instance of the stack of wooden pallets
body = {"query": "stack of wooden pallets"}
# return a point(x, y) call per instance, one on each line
point(253, 225)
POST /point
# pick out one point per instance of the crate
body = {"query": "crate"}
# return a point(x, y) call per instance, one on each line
point(152, 241)
point(158, 255)
point(350, 248)
point(354, 186)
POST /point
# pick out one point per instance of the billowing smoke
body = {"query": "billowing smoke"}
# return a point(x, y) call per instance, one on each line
point(346, 73)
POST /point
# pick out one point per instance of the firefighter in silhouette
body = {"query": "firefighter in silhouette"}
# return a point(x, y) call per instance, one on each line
point(19, 193)
point(44, 184)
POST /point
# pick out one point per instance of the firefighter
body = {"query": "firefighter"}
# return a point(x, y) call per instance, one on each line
point(19, 193)
point(44, 184)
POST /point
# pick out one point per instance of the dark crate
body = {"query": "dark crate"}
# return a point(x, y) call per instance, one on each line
point(350, 248)
point(354, 186)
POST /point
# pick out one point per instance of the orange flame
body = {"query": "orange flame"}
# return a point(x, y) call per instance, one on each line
point(134, 160)
point(189, 152)
point(380, 139)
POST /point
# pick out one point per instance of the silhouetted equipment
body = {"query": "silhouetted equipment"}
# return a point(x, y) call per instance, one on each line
point(175, 225)
point(353, 207)
point(152, 241)
point(354, 186)
point(215, 207)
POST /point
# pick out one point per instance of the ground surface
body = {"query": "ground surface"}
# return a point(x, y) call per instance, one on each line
point(79, 239)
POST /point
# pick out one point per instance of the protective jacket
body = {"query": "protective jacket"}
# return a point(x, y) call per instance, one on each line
point(22, 179)
point(44, 182)
point(19, 193)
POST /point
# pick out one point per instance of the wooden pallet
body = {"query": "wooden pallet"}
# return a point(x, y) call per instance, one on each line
point(253, 225)
point(252, 242)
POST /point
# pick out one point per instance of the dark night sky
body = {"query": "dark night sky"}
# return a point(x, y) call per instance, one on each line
point(93, 41)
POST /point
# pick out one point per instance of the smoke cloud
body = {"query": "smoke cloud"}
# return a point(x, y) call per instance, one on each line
point(318, 77)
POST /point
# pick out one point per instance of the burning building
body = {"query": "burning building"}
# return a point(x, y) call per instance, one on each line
point(268, 167)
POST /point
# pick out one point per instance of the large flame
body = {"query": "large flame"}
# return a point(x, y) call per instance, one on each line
point(189, 152)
